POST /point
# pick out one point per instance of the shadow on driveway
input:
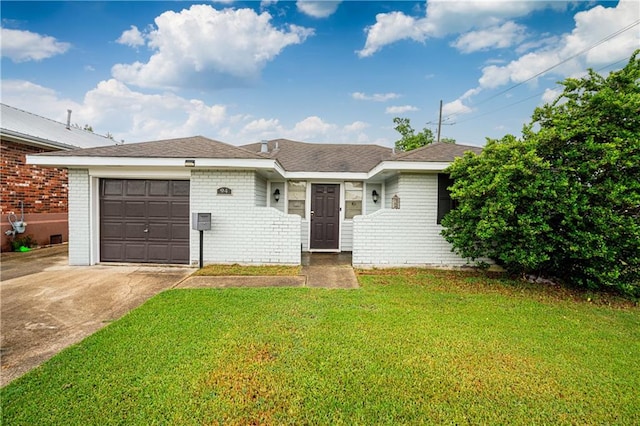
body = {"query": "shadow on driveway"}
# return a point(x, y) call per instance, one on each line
point(47, 305)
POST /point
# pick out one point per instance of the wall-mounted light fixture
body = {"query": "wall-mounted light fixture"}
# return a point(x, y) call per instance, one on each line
point(276, 195)
point(374, 196)
point(189, 163)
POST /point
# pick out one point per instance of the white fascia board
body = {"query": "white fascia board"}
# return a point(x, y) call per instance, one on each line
point(335, 176)
point(409, 166)
point(88, 162)
point(141, 172)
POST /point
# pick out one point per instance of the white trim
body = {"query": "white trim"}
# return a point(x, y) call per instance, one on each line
point(86, 162)
point(431, 166)
point(94, 220)
point(140, 173)
point(232, 163)
point(328, 176)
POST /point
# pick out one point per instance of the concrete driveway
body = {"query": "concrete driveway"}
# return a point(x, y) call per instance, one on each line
point(47, 305)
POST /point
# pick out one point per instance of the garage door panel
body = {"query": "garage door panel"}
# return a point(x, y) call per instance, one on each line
point(159, 188)
point(128, 207)
point(180, 231)
point(112, 251)
point(112, 187)
point(179, 252)
point(180, 209)
point(180, 188)
point(136, 188)
point(161, 209)
point(135, 231)
point(137, 209)
point(159, 252)
point(112, 209)
point(112, 230)
point(135, 252)
point(159, 232)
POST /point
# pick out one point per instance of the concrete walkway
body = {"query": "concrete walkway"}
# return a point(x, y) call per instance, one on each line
point(319, 270)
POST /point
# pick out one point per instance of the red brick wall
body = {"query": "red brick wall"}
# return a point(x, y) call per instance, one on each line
point(43, 190)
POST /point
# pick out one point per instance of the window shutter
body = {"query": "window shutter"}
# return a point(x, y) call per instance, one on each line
point(445, 203)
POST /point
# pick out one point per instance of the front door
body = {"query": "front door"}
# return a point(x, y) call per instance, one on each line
point(325, 216)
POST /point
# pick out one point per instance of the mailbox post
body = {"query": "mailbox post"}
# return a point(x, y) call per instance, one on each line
point(201, 222)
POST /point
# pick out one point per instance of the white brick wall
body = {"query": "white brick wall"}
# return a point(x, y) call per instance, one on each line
point(408, 236)
point(241, 231)
point(282, 203)
point(260, 191)
point(371, 206)
point(347, 235)
point(79, 217)
point(304, 234)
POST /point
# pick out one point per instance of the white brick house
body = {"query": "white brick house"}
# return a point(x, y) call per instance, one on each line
point(268, 202)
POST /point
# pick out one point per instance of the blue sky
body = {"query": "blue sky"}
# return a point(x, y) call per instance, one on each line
point(324, 71)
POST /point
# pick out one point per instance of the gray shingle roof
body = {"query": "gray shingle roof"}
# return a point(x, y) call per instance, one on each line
point(17, 123)
point(191, 147)
point(445, 152)
point(316, 157)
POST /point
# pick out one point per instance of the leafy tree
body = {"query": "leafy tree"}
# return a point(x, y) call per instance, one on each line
point(447, 140)
point(564, 200)
point(410, 139)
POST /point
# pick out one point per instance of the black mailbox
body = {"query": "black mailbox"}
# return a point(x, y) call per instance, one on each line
point(201, 221)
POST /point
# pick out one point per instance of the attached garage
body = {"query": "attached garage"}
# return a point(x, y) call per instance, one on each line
point(144, 221)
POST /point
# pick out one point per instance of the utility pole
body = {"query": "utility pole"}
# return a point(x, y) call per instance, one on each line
point(439, 121)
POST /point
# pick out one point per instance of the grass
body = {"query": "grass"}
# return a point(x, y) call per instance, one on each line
point(410, 347)
point(238, 270)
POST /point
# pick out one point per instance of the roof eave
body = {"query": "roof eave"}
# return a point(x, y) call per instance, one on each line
point(34, 140)
point(76, 162)
point(409, 166)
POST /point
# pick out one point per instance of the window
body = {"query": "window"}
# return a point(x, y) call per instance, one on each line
point(352, 199)
point(297, 194)
point(445, 203)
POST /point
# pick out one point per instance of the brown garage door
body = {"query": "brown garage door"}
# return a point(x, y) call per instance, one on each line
point(144, 221)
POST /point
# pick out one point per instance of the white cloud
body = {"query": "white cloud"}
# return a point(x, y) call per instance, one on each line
point(450, 17)
point(455, 107)
point(266, 3)
point(318, 9)
point(376, 97)
point(193, 48)
point(444, 17)
point(470, 92)
point(500, 36)
point(356, 126)
point(591, 26)
point(401, 109)
point(23, 46)
point(310, 128)
point(550, 95)
point(37, 99)
point(390, 28)
point(127, 114)
point(131, 37)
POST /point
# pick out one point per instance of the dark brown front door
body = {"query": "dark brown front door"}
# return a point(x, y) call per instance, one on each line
point(144, 221)
point(325, 217)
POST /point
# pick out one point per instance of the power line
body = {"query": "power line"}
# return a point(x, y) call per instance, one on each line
point(596, 44)
point(529, 97)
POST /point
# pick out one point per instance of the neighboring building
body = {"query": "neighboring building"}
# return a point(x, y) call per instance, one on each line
point(41, 193)
point(268, 202)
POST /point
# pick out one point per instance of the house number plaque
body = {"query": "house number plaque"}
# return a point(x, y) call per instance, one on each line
point(224, 191)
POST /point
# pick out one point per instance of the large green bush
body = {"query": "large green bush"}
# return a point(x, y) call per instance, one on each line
point(563, 200)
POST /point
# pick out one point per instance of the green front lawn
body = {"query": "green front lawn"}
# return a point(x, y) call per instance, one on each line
point(409, 347)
